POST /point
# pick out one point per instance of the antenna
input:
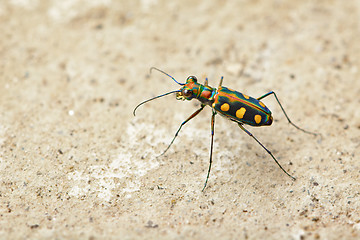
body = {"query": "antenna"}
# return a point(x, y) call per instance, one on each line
point(166, 75)
point(154, 98)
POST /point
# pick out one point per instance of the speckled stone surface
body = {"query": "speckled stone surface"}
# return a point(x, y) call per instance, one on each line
point(76, 164)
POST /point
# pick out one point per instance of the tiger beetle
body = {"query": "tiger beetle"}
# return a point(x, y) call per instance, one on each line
point(231, 104)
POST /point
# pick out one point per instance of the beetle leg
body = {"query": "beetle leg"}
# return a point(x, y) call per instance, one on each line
point(211, 146)
point(251, 135)
point(272, 92)
point(182, 124)
point(206, 82)
point(221, 80)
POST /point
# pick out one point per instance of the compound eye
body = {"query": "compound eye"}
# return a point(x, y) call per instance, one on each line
point(193, 78)
point(187, 92)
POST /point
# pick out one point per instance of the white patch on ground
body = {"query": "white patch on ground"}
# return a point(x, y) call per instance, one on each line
point(137, 156)
point(29, 4)
point(65, 10)
point(148, 4)
point(123, 173)
point(357, 226)
point(299, 234)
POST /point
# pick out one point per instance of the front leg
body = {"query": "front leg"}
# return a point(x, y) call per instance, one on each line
point(182, 124)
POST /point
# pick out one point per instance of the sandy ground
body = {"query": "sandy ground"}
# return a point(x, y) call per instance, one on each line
point(76, 164)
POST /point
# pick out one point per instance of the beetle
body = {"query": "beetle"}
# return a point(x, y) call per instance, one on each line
point(233, 105)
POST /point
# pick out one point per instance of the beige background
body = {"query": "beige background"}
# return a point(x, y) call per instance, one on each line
point(75, 163)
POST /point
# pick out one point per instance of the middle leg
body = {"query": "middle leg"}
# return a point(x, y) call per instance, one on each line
point(211, 146)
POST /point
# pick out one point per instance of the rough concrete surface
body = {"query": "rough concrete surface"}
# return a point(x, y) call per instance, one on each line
point(76, 164)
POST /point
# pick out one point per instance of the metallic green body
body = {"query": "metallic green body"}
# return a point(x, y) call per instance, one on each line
point(216, 98)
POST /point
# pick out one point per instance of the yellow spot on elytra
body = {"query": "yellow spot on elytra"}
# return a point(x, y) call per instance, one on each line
point(257, 119)
point(225, 107)
point(213, 105)
point(240, 113)
point(246, 96)
point(263, 105)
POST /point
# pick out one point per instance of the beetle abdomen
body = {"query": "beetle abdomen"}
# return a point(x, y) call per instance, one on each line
point(241, 108)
